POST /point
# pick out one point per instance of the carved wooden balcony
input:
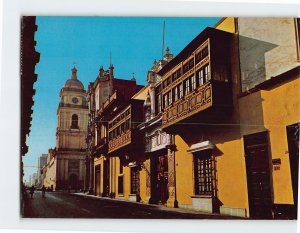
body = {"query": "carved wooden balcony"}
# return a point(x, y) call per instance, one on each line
point(124, 136)
point(202, 105)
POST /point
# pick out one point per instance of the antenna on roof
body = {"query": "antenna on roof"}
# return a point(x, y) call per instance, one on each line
point(163, 41)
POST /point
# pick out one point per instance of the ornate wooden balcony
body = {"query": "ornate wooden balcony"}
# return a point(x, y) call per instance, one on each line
point(210, 97)
point(120, 141)
point(122, 129)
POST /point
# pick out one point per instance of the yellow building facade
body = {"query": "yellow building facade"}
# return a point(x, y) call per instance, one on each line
point(219, 125)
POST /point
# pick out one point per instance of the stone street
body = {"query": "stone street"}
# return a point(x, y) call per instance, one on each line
point(66, 205)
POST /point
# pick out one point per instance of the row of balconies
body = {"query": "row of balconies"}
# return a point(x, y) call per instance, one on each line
point(206, 63)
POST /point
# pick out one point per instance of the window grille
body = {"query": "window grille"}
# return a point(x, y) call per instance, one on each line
point(204, 173)
point(135, 180)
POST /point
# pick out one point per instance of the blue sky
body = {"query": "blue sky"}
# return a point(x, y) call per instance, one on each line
point(134, 43)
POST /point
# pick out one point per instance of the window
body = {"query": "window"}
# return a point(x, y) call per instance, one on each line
point(170, 97)
point(180, 90)
point(203, 173)
point(174, 76)
point(187, 86)
point(193, 82)
point(203, 75)
point(206, 73)
point(166, 100)
point(185, 68)
point(205, 52)
point(200, 77)
point(191, 63)
point(198, 57)
point(134, 180)
point(175, 93)
point(74, 124)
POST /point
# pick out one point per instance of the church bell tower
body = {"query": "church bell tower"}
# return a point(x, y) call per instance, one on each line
point(71, 132)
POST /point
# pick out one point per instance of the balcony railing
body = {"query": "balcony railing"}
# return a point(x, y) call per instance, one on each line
point(120, 141)
point(194, 102)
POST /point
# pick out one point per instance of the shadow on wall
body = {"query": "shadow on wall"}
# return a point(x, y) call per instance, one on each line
point(252, 61)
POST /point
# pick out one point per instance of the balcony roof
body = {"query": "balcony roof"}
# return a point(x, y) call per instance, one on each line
point(193, 45)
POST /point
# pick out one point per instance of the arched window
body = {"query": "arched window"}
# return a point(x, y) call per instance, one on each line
point(74, 124)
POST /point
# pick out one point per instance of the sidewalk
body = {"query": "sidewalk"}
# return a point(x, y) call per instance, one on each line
point(161, 208)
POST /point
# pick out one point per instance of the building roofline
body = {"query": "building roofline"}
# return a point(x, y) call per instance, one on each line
point(208, 32)
point(140, 91)
point(280, 79)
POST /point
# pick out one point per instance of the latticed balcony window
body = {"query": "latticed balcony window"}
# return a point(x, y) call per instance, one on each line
point(187, 86)
point(204, 173)
point(175, 93)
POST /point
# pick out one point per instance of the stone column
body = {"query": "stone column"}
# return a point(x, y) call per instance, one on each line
point(66, 177)
point(91, 182)
point(172, 201)
point(148, 180)
point(87, 174)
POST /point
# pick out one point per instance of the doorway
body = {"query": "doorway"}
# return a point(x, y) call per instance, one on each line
point(105, 183)
point(97, 180)
point(73, 181)
point(258, 175)
point(159, 179)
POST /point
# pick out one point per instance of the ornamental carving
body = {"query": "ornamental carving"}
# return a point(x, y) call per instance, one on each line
point(192, 103)
point(120, 141)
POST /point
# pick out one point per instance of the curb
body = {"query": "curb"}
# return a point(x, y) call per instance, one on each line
point(162, 208)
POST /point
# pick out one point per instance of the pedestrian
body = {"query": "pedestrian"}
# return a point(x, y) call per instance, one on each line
point(31, 191)
point(43, 191)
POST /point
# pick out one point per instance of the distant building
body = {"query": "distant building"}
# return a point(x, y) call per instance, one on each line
point(42, 161)
point(65, 163)
point(34, 179)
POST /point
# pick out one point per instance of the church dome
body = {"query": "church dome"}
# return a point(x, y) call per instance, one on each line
point(73, 82)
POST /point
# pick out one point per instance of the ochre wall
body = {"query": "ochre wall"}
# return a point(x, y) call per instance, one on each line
point(231, 174)
point(227, 24)
point(184, 172)
point(286, 98)
point(279, 108)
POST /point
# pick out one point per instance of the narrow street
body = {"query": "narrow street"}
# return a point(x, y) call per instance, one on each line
point(65, 205)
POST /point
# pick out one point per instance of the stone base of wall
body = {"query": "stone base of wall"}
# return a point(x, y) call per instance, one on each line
point(238, 212)
point(203, 204)
point(133, 197)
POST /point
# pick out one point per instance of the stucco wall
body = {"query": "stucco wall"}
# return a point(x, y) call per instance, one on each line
point(267, 48)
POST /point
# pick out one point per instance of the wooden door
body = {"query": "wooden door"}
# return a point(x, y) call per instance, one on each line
point(293, 145)
point(106, 182)
point(258, 175)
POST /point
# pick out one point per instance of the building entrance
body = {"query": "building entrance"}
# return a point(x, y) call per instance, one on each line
point(73, 181)
point(258, 175)
point(106, 186)
point(97, 180)
point(159, 179)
